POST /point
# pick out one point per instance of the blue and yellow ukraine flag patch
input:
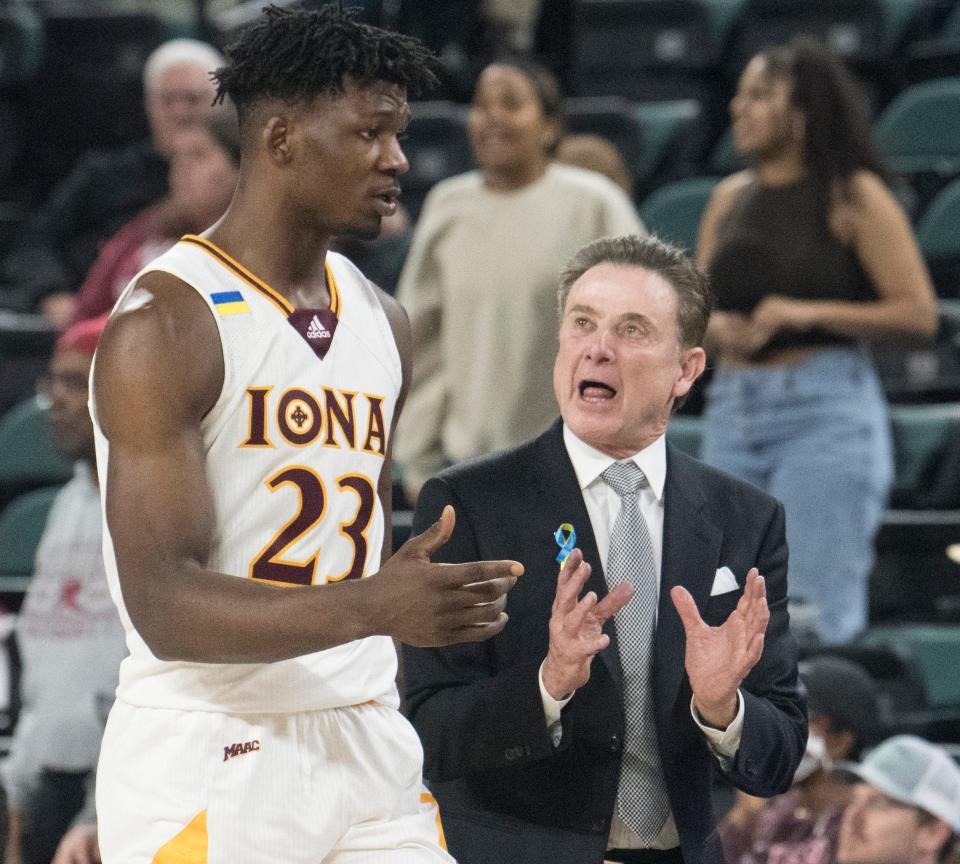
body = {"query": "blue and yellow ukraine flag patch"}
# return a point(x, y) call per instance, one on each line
point(229, 302)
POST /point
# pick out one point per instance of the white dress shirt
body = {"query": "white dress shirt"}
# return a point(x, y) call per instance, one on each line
point(603, 506)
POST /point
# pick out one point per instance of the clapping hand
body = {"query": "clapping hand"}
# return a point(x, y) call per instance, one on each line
point(719, 658)
point(576, 627)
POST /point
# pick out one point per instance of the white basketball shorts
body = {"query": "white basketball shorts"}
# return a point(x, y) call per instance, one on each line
point(341, 786)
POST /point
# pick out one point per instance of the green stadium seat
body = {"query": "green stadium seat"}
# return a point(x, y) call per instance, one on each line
point(28, 456)
point(21, 525)
point(685, 432)
point(939, 56)
point(918, 135)
point(21, 44)
point(913, 578)
point(923, 436)
point(920, 129)
point(723, 158)
point(673, 211)
point(938, 234)
point(924, 373)
point(651, 50)
point(868, 34)
point(935, 647)
point(659, 141)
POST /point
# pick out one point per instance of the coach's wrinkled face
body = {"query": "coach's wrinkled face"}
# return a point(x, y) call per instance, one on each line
point(620, 366)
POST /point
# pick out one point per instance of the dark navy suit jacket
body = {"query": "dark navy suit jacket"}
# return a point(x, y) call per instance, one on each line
point(506, 793)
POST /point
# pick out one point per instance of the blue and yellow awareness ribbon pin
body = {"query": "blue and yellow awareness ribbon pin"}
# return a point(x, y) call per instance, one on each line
point(229, 302)
point(566, 537)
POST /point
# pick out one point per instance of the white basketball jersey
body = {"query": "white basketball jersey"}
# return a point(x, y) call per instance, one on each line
point(295, 445)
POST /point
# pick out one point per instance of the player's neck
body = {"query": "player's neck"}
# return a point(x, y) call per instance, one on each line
point(287, 256)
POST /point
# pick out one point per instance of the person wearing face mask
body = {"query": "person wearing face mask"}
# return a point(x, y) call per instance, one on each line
point(480, 278)
point(803, 825)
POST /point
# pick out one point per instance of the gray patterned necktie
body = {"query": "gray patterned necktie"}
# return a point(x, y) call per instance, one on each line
point(642, 793)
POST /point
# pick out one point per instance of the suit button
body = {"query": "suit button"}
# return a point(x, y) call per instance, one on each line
point(613, 743)
point(598, 826)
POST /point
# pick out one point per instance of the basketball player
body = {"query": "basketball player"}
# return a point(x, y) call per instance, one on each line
point(245, 395)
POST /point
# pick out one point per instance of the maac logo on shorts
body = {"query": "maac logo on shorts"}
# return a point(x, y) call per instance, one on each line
point(240, 749)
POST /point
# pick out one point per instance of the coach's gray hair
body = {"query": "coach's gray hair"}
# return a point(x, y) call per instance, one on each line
point(694, 300)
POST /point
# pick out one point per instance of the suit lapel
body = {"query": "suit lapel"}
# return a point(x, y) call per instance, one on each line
point(691, 552)
point(559, 500)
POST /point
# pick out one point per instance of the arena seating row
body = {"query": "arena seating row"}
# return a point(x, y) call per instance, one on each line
point(918, 135)
point(673, 211)
point(70, 77)
point(679, 48)
point(914, 667)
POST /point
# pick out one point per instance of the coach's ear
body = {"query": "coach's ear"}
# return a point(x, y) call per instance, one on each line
point(276, 139)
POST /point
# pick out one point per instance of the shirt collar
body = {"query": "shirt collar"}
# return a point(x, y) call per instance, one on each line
point(589, 463)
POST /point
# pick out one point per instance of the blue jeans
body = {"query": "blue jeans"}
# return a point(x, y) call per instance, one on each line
point(815, 435)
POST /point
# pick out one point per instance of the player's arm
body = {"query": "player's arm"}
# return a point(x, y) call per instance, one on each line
point(403, 337)
point(158, 372)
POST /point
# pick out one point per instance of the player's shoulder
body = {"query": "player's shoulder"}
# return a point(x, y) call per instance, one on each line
point(162, 332)
point(158, 305)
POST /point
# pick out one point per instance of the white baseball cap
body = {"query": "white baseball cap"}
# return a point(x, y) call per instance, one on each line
point(916, 772)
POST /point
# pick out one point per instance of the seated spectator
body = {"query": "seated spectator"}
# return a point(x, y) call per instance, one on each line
point(595, 153)
point(70, 639)
point(480, 280)
point(107, 189)
point(802, 825)
point(906, 809)
point(204, 163)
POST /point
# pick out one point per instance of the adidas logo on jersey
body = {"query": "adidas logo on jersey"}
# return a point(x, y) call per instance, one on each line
point(316, 330)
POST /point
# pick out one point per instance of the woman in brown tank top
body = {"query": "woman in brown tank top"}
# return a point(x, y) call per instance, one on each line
point(810, 257)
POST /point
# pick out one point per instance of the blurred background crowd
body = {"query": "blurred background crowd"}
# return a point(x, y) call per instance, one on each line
point(807, 152)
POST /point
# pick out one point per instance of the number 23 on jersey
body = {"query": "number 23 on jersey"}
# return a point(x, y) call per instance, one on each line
point(308, 413)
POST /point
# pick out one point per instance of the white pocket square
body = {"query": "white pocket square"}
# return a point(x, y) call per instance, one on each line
point(723, 582)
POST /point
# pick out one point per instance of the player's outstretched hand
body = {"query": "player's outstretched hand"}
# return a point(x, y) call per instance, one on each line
point(428, 604)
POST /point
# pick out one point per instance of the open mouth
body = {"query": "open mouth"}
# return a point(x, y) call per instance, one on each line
point(387, 201)
point(595, 391)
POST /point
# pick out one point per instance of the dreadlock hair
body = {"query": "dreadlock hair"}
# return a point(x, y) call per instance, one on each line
point(295, 55)
point(837, 141)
